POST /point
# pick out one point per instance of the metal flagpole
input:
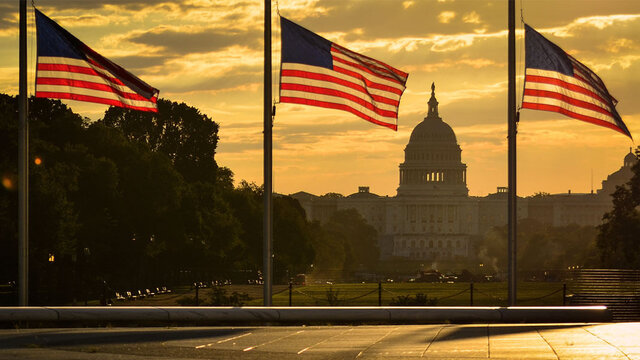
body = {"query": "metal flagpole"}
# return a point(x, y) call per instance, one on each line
point(268, 159)
point(23, 165)
point(512, 207)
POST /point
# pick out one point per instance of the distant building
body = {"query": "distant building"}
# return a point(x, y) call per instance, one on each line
point(433, 217)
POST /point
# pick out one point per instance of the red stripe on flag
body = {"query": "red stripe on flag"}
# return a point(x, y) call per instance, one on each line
point(567, 99)
point(379, 64)
point(78, 70)
point(554, 108)
point(94, 99)
point(368, 70)
point(333, 79)
point(331, 105)
point(339, 94)
point(90, 85)
point(367, 82)
point(564, 84)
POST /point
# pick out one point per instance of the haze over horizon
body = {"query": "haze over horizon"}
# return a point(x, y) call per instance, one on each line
point(208, 53)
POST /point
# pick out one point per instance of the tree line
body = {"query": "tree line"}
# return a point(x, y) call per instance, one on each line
point(614, 244)
point(137, 199)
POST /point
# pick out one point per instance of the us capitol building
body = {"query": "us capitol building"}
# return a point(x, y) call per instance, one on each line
point(433, 217)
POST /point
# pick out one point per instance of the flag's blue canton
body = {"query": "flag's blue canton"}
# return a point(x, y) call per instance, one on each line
point(541, 53)
point(53, 40)
point(555, 81)
point(318, 72)
point(301, 46)
point(69, 69)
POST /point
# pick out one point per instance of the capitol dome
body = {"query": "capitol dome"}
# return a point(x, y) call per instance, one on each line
point(433, 129)
point(630, 159)
point(432, 163)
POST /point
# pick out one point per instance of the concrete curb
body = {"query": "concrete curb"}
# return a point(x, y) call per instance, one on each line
point(550, 314)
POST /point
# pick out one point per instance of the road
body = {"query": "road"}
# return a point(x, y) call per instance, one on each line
point(494, 341)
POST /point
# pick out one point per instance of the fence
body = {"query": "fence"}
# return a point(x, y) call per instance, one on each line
point(441, 294)
point(618, 289)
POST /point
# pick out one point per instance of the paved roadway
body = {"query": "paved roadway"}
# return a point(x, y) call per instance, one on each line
point(494, 341)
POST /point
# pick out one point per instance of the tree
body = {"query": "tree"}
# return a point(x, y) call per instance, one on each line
point(246, 202)
point(292, 246)
point(540, 247)
point(618, 235)
point(8, 188)
point(359, 240)
point(188, 137)
point(329, 252)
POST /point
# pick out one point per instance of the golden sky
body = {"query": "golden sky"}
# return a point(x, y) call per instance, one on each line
point(208, 53)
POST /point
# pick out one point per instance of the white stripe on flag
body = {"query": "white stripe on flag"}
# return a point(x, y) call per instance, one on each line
point(371, 77)
point(346, 53)
point(563, 77)
point(337, 100)
point(567, 106)
point(332, 85)
point(566, 92)
point(81, 63)
point(81, 77)
point(351, 79)
point(91, 92)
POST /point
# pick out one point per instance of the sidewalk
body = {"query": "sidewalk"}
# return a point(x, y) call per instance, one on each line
point(482, 341)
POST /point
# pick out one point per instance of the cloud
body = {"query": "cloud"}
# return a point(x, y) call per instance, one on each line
point(89, 20)
point(617, 45)
point(445, 17)
point(471, 18)
point(193, 39)
point(408, 3)
point(599, 22)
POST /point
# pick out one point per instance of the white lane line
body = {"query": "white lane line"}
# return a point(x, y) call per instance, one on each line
point(432, 340)
point(323, 341)
point(377, 341)
point(222, 341)
point(233, 338)
point(272, 341)
point(608, 343)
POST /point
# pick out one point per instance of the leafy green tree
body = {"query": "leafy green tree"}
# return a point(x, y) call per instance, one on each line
point(618, 236)
point(188, 137)
point(540, 247)
point(359, 240)
point(329, 252)
point(246, 202)
point(8, 188)
point(292, 246)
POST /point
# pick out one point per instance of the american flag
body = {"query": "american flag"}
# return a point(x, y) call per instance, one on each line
point(555, 81)
point(315, 71)
point(69, 69)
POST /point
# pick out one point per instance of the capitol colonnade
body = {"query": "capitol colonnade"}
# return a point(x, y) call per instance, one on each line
point(432, 217)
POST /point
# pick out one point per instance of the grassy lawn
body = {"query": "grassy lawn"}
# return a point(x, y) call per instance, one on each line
point(457, 294)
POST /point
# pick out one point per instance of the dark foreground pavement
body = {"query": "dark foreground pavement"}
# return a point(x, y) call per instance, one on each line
point(494, 341)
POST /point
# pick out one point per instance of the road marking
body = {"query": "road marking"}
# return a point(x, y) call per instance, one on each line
point(432, 340)
point(548, 343)
point(608, 343)
point(233, 338)
point(377, 341)
point(323, 341)
point(272, 341)
point(222, 341)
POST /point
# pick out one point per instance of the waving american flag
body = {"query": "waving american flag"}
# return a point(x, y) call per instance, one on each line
point(555, 81)
point(69, 69)
point(317, 72)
